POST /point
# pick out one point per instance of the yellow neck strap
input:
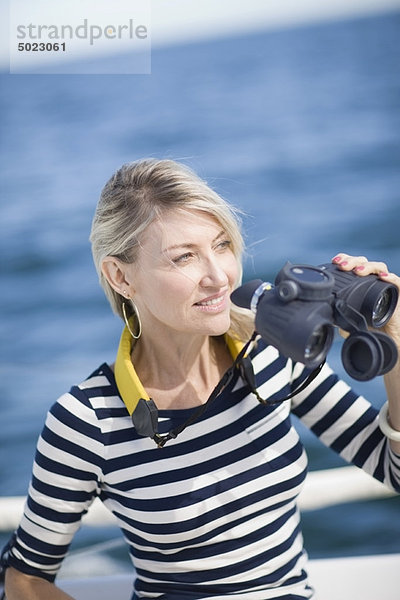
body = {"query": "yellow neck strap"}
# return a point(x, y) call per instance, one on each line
point(128, 382)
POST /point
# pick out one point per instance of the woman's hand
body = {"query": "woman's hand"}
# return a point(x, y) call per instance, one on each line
point(362, 267)
point(19, 586)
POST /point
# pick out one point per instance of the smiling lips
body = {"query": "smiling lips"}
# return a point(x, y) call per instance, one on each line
point(213, 303)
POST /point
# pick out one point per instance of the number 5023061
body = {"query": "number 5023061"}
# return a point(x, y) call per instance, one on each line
point(41, 47)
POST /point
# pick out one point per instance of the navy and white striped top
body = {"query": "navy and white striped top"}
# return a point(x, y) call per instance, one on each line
point(213, 513)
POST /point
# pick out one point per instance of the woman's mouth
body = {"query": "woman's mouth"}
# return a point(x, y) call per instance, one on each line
point(213, 303)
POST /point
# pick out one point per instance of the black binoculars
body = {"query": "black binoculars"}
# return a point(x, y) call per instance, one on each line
point(298, 313)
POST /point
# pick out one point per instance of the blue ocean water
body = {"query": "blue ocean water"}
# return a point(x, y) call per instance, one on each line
point(298, 127)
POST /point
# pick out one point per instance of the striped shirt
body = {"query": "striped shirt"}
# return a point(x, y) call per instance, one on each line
point(212, 514)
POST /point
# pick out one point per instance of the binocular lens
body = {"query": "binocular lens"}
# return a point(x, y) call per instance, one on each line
point(382, 307)
point(317, 343)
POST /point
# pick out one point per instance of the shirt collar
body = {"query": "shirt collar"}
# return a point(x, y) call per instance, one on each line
point(129, 385)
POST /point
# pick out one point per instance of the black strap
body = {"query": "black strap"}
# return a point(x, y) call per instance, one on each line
point(244, 364)
point(299, 389)
point(161, 440)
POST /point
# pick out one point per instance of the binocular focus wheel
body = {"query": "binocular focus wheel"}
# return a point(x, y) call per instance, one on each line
point(363, 356)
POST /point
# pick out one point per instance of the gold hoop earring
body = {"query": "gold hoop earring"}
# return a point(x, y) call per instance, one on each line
point(137, 335)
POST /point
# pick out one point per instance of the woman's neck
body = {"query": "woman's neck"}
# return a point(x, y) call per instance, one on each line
point(180, 373)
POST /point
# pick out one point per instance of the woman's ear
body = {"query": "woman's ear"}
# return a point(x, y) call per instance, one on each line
point(115, 271)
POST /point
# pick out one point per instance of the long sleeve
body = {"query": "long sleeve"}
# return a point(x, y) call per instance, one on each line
point(347, 423)
point(65, 480)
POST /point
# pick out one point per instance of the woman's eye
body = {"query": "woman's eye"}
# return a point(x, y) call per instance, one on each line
point(182, 258)
point(187, 256)
point(224, 244)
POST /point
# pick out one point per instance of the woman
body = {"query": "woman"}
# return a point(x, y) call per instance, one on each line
point(213, 513)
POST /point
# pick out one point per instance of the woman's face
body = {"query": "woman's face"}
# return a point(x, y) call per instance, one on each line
point(184, 274)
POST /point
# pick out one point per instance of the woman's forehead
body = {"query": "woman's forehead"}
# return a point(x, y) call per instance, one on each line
point(179, 226)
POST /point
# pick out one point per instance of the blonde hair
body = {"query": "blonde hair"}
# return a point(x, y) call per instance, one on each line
point(137, 194)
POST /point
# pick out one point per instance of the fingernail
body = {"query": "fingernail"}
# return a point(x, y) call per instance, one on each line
point(336, 259)
point(344, 263)
point(383, 274)
point(359, 268)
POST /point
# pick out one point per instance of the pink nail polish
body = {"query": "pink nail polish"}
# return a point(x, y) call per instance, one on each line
point(344, 263)
point(337, 259)
point(360, 268)
point(383, 274)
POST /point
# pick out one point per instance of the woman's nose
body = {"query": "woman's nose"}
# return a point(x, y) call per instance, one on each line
point(214, 274)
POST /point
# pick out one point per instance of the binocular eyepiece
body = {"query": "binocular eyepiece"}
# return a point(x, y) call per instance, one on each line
point(297, 315)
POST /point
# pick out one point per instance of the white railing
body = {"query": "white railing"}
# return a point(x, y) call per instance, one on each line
point(322, 488)
point(351, 578)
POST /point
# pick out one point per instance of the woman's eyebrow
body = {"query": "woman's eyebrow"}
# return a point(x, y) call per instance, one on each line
point(191, 245)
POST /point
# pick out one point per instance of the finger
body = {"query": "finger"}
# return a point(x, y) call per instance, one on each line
point(338, 258)
point(347, 262)
point(390, 278)
point(362, 266)
point(372, 268)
